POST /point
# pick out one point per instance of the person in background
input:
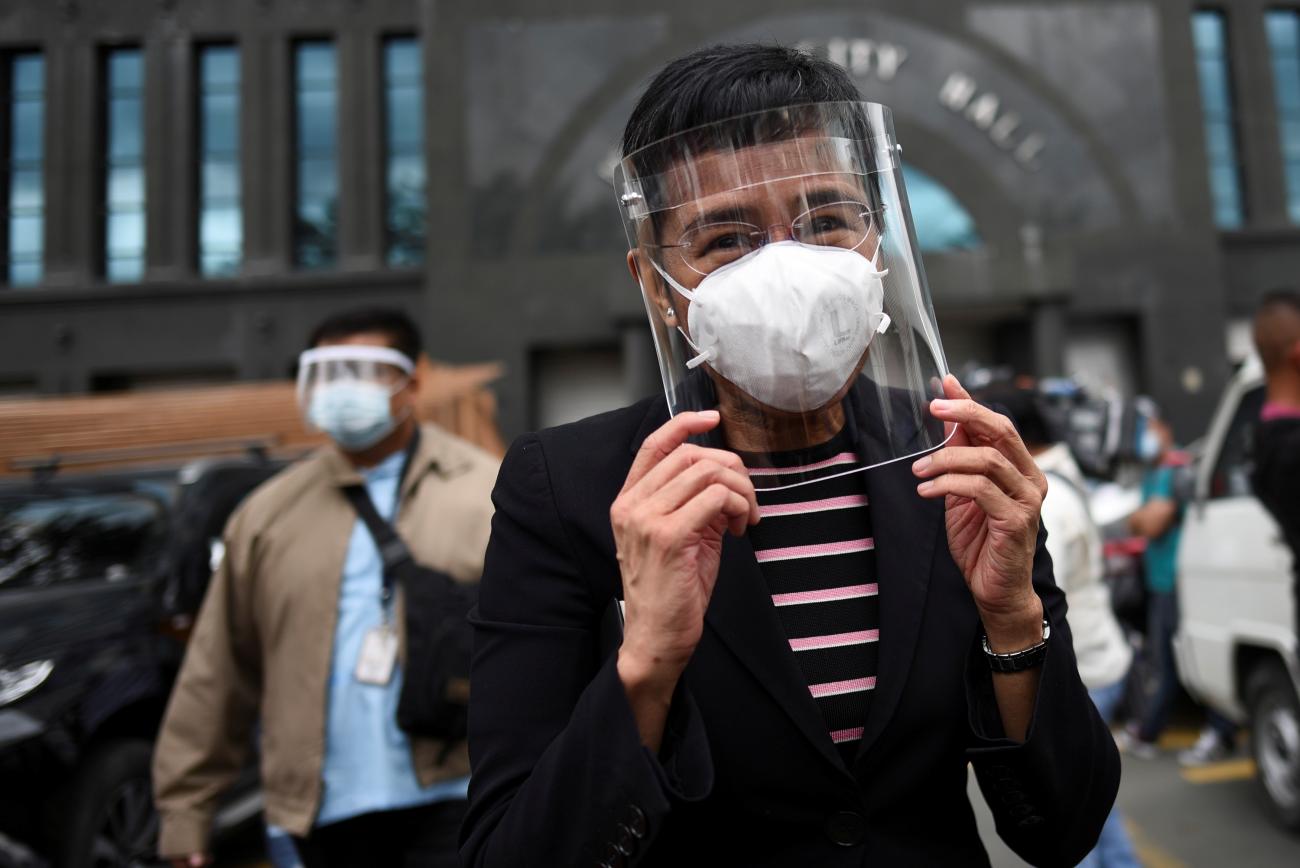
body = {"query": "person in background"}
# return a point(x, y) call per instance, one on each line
point(1074, 543)
point(298, 628)
point(1276, 479)
point(1159, 522)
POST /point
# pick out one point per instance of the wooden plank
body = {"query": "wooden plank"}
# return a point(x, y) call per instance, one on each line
point(147, 426)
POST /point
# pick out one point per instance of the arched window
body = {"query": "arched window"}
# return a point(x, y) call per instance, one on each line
point(942, 223)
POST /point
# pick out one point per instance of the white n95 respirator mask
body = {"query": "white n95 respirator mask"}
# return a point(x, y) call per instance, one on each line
point(787, 324)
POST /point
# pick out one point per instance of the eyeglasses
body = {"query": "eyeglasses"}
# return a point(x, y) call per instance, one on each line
point(708, 247)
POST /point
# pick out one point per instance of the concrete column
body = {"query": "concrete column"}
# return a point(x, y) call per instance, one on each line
point(450, 321)
point(266, 148)
point(1183, 342)
point(73, 198)
point(1184, 115)
point(360, 144)
point(185, 143)
point(1048, 331)
point(169, 156)
point(1259, 147)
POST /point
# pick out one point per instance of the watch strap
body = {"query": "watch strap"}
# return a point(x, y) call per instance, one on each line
point(1017, 661)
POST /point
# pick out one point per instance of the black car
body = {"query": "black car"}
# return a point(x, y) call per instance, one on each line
point(100, 577)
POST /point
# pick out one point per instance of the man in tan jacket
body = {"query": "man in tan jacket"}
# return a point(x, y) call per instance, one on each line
point(297, 633)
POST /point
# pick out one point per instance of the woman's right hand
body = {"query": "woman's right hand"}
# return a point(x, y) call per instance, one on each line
point(668, 521)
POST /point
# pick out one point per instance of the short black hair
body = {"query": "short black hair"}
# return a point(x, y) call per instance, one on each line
point(1275, 298)
point(401, 331)
point(1277, 326)
point(723, 81)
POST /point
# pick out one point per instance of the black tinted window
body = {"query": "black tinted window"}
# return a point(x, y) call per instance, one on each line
point(56, 538)
point(1234, 463)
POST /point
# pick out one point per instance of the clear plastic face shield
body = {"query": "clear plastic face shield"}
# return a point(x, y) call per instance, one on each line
point(783, 284)
point(344, 390)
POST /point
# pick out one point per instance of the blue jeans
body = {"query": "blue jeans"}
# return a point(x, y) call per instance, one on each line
point(280, 849)
point(1114, 849)
point(1162, 621)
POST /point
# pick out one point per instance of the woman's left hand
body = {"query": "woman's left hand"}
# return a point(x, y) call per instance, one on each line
point(992, 492)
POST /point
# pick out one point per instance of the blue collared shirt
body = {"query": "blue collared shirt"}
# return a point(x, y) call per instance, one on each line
point(367, 763)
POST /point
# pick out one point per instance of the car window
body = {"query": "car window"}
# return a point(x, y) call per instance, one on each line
point(1233, 466)
point(52, 538)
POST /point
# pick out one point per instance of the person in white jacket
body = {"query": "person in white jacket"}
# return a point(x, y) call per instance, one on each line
point(1074, 543)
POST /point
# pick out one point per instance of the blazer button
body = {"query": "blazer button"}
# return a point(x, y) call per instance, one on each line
point(613, 858)
point(636, 821)
point(624, 840)
point(846, 828)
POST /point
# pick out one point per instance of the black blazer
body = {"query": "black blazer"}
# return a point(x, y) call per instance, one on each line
point(747, 774)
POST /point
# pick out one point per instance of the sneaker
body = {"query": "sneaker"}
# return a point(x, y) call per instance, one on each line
point(1209, 748)
point(1130, 744)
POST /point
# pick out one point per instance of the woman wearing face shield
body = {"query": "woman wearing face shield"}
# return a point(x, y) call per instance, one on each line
point(769, 617)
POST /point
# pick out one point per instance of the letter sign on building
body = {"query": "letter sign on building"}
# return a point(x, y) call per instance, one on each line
point(961, 94)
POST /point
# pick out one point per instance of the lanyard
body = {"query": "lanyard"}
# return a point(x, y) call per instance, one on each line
point(386, 592)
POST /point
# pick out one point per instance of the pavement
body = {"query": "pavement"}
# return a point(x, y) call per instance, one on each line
point(1208, 817)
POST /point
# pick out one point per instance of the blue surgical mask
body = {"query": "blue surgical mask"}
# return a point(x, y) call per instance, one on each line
point(1148, 445)
point(355, 414)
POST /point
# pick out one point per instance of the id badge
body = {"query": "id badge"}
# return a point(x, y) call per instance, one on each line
point(378, 656)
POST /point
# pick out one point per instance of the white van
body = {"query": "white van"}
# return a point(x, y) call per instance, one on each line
point(1236, 640)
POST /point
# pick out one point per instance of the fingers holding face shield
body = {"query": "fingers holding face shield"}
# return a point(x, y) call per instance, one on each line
point(993, 495)
point(678, 501)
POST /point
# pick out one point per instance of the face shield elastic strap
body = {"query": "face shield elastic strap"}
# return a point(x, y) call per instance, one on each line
point(710, 354)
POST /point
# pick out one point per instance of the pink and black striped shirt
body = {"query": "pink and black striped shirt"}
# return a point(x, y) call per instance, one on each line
point(816, 550)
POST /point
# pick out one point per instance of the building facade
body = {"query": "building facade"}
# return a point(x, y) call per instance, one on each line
point(1101, 189)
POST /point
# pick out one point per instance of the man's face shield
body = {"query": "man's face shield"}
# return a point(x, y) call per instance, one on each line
point(350, 365)
point(782, 281)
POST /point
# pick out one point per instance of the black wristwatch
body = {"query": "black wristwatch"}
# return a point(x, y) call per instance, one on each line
point(1017, 661)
